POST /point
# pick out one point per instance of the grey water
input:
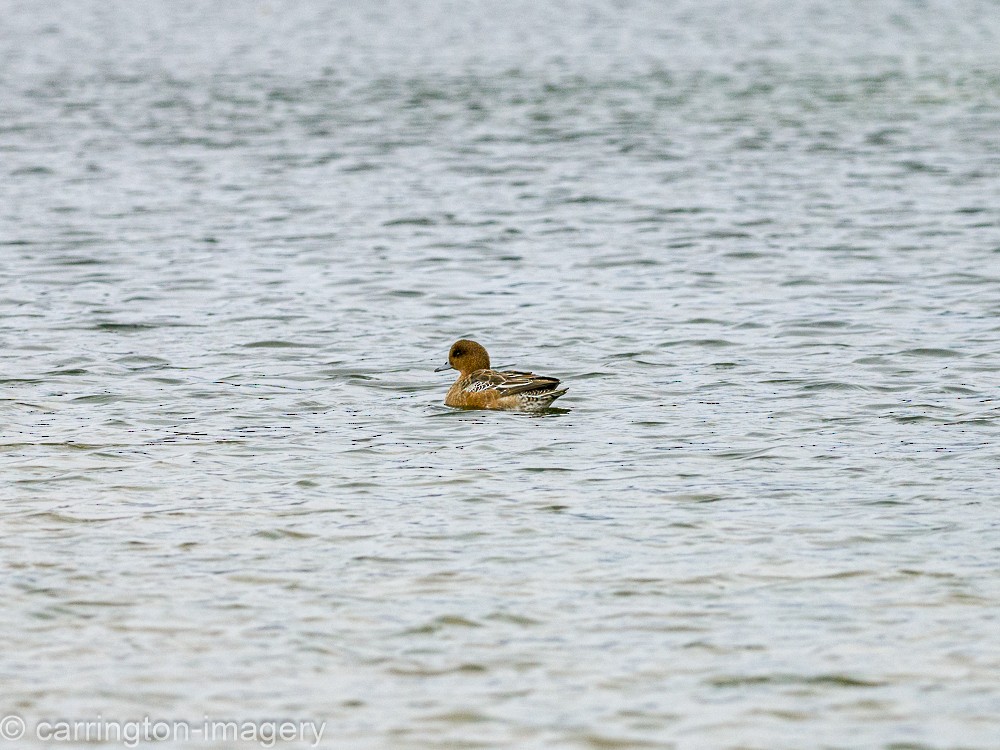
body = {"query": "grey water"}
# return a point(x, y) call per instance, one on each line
point(759, 242)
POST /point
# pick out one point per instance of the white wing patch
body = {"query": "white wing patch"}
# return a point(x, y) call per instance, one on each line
point(477, 385)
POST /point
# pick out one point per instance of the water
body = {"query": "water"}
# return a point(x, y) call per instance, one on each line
point(759, 243)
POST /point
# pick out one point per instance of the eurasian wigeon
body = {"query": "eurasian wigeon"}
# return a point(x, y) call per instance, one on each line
point(479, 387)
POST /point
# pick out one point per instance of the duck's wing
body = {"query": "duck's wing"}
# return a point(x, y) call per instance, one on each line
point(510, 382)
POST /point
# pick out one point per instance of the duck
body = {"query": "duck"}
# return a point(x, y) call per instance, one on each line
point(479, 387)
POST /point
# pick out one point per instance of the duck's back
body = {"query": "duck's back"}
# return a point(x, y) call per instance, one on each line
point(508, 389)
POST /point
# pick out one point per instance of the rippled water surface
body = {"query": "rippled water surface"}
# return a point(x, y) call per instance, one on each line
point(760, 243)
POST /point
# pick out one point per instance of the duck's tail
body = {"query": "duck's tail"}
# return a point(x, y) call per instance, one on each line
point(539, 400)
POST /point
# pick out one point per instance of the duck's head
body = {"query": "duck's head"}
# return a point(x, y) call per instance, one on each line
point(466, 356)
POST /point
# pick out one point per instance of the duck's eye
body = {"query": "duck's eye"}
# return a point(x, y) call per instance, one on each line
point(457, 352)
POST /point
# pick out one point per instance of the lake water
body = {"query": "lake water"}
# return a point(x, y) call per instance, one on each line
point(758, 241)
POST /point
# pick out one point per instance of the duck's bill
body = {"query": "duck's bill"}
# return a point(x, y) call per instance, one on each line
point(442, 368)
